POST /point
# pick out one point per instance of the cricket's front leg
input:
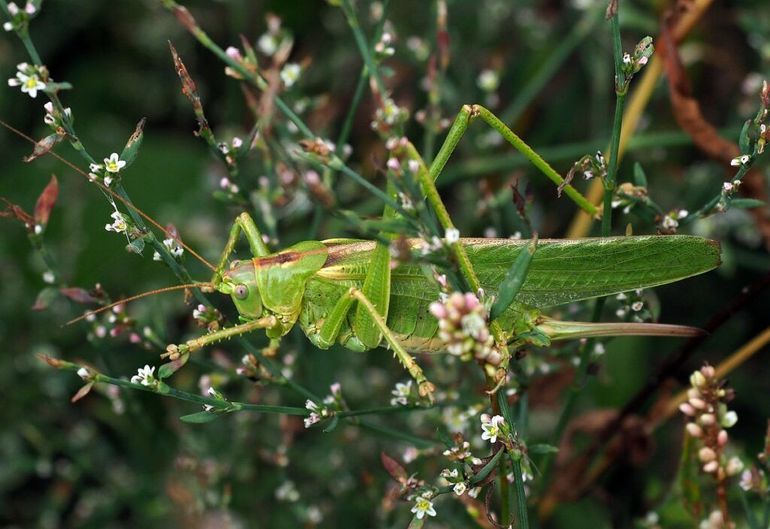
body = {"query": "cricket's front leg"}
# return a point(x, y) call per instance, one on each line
point(246, 225)
point(333, 324)
point(174, 351)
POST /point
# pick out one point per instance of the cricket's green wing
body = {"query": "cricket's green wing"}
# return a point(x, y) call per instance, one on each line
point(561, 271)
point(565, 270)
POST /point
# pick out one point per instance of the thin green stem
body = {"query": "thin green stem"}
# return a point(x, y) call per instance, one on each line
point(551, 64)
point(751, 517)
point(363, 46)
point(621, 88)
point(521, 495)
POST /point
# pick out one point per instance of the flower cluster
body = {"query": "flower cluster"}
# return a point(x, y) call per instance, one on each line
point(384, 47)
point(708, 421)
point(173, 247)
point(208, 317)
point(389, 116)
point(632, 304)
point(457, 479)
point(633, 62)
point(462, 323)
point(670, 221)
point(19, 17)
point(275, 39)
point(53, 118)
point(402, 394)
point(28, 77)
point(590, 166)
point(331, 404)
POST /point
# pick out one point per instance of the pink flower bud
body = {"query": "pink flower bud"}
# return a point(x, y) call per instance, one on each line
point(706, 454)
point(707, 419)
point(710, 467)
point(693, 429)
point(708, 371)
point(722, 438)
point(687, 409)
point(698, 404)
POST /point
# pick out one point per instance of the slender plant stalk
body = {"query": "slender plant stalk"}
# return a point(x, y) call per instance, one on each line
point(548, 67)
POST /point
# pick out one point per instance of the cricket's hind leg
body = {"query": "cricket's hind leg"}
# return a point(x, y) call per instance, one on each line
point(332, 326)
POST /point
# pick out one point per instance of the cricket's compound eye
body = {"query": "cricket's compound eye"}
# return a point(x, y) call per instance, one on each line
point(241, 291)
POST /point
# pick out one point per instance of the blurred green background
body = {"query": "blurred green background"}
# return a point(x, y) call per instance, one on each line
point(125, 460)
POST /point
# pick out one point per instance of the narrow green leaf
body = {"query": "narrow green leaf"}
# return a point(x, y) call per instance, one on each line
point(134, 142)
point(136, 246)
point(744, 141)
point(168, 369)
point(746, 203)
point(44, 298)
point(514, 279)
point(640, 178)
point(542, 449)
point(201, 417)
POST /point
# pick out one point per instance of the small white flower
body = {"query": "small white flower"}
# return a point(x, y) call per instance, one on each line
point(491, 427)
point(49, 277)
point(636, 306)
point(626, 58)
point(414, 166)
point(236, 143)
point(29, 83)
point(310, 405)
point(423, 506)
point(108, 181)
point(312, 419)
point(447, 474)
point(460, 488)
point(290, 74)
point(452, 235)
point(8, 26)
point(734, 466)
point(119, 225)
point(173, 247)
point(287, 492)
point(144, 376)
point(84, 373)
point(267, 44)
point(488, 80)
point(747, 480)
point(401, 393)
point(740, 160)
point(729, 419)
point(13, 9)
point(114, 164)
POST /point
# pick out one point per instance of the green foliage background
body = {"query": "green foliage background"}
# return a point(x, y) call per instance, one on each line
point(84, 465)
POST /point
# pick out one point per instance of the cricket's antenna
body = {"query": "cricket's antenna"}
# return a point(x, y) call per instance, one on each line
point(113, 194)
point(137, 296)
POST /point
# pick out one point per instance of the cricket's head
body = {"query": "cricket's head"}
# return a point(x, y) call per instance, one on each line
point(240, 282)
